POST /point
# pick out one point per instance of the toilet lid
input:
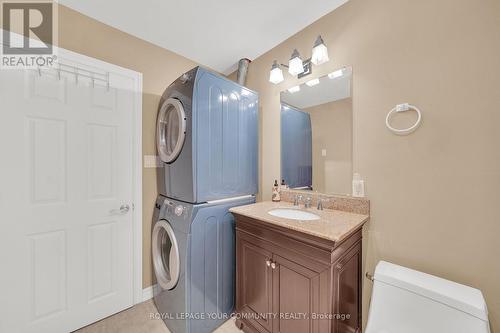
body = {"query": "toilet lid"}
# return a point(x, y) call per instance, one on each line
point(458, 296)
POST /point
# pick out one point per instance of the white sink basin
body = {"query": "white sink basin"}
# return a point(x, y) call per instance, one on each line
point(293, 214)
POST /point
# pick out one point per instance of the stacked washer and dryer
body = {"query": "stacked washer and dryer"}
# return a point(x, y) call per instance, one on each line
point(207, 137)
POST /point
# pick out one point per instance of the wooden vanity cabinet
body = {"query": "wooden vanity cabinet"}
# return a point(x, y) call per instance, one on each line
point(291, 282)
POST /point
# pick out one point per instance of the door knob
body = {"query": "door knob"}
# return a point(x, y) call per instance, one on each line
point(124, 209)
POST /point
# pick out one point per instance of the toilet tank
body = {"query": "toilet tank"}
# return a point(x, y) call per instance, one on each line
point(408, 301)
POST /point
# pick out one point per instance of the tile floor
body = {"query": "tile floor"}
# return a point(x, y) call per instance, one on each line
point(137, 320)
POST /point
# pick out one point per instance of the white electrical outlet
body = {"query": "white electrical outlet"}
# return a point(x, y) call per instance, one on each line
point(152, 161)
point(323, 152)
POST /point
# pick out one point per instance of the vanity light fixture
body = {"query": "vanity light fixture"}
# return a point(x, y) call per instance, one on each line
point(276, 74)
point(312, 83)
point(298, 67)
point(295, 65)
point(320, 52)
point(336, 74)
point(294, 89)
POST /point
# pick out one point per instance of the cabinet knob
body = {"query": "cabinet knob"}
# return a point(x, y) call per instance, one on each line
point(268, 262)
point(273, 265)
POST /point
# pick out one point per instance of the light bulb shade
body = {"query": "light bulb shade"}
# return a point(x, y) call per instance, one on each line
point(320, 52)
point(276, 74)
point(295, 65)
point(312, 83)
point(294, 89)
point(336, 74)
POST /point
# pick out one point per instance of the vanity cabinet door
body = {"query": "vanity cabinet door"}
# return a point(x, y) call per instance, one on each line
point(254, 283)
point(347, 291)
point(296, 297)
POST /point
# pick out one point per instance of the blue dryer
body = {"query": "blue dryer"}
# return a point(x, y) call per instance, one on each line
point(207, 136)
point(296, 147)
point(194, 262)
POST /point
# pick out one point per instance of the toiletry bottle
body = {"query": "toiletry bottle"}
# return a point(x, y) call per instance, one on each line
point(358, 186)
point(276, 192)
point(283, 185)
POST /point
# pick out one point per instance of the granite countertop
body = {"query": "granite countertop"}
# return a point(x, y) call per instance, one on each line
point(334, 225)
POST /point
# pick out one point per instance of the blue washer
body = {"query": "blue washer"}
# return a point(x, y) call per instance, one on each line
point(200, 280)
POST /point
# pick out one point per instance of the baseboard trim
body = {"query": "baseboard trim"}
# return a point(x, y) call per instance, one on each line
point(147, 293)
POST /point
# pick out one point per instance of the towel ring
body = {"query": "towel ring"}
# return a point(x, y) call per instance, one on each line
point(402, 108)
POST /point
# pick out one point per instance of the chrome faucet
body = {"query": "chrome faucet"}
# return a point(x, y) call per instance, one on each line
point(307, 203)
point(297, 200)
point(320, 204)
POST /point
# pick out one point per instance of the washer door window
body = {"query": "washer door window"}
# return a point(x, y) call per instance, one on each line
point(165, 255)
point(170, 130)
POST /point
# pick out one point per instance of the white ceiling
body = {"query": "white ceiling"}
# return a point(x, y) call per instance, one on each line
point(214, 33)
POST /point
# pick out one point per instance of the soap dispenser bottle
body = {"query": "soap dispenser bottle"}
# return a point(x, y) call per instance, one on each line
point(276, 197)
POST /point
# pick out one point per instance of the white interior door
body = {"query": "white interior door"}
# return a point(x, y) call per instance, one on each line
point(66, 247)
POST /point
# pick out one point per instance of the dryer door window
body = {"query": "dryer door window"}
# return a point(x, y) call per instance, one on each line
point(170, 130)
point(165, 255)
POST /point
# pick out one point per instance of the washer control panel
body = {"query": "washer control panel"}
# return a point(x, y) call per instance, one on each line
point(179, 209)
point(175, 208)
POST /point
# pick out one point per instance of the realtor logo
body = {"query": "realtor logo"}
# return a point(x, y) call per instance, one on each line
point(28, 31)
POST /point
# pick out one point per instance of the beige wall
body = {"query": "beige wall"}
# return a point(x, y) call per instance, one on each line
point(331, 125)
point(159, 67)
point(434, 194)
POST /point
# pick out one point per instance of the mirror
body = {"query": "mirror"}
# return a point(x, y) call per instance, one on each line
point(316, 134)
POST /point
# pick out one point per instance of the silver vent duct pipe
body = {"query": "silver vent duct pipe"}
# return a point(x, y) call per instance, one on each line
point(241, 76)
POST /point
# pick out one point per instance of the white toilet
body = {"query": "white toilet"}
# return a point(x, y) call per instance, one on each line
point(408, 301)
